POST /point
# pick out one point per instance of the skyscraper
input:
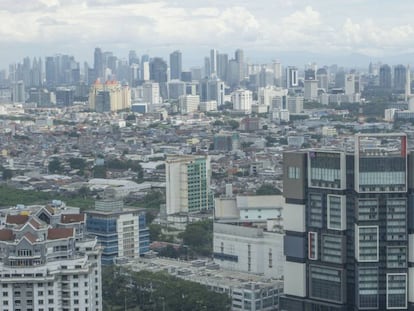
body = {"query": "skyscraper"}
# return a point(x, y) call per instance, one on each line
point(292, 77)
point(98, 65)
point(175, 65)
point(213, 61)
point(239, 57)
point(348, 224)
point(400, 76)
point(385, 77)
point(159, 73)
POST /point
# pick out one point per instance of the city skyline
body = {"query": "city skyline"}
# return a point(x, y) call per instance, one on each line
point(287, 30)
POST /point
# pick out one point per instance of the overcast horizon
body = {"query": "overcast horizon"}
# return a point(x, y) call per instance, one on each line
point(343, 32)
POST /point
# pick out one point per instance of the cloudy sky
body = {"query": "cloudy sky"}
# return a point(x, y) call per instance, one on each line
point(263, 28)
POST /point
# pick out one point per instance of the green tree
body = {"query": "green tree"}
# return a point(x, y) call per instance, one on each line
point(99, 171)
point(268, 189)
point(199, 237)
point(55, 166)
point(233, 123)
point(77, 163)
point(7, 174)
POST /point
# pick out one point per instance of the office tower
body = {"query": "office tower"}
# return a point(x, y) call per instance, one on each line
point(64, 96)
point(133, 58)
point(213, 61)
point(323, 79)
point(122, 232)
point(277, 71)
point(176, 66)
point(207, 67)
point(151, 95)
point(292, 77)
point(188, 184)
point(176, 88)
point(189, 103)
point(311, 90)
point(109, 96)
point(348, 224)
point(294, 104)
point(340, 79)
point(46, 261)
point(98, 65)
point(186, 76)
point(233, 74)
point(212, 89)
point(408, 84)
point(19, 92)
point(242, 100)
point(310, 74)
point(400, 76)
point(385, 77)
point(349, 84)
point(196, 73)
point(239, 57)
point(51, 71)
point(222, 66)
point(159, 73)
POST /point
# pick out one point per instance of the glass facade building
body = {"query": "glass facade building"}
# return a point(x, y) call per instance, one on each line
point(352, 213)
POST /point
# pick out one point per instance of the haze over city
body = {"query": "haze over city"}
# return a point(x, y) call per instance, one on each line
point(344, 32)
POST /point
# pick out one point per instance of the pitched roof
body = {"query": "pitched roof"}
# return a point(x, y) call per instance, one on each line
point(69, 218)
point(35, 223)
point(31, 237)
point(59, 233)
point(6, 235)
point(17, 219)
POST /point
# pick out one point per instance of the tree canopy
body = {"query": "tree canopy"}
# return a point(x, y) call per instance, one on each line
point(124, 289)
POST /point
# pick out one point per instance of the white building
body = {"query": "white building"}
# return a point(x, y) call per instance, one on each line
point(242, 100)
point(188, 184)
point(248, 249)
point(295, 104)
point(210, 105)
point(311, 90)
point(46, 263)
point(189, 103)
point(349, 84)
point(151, 94)
point(267, 95)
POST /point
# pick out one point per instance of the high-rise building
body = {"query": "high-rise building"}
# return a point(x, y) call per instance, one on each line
point(311, 90)
point(222, 66)
point(323, 79)
point(213, 61)
point(349, 84)
point(176, 66)
point(188, 184)
point(400, 76)
point(242, 100)
point(189, 103)
point(348, 224)
point(122, 232)
point(292, 77)
point(109, 96)
point(239, 57)
point(151, 94)
point(385, 77)
point(19, 92)
point(176, 88)
point(212, 89)
point(46, 262)
point(159, 73)
point(98, 65)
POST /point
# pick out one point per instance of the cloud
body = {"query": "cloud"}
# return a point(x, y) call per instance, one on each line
point(279, 25)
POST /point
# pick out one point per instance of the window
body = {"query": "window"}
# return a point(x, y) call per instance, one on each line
point(396, 290)
point(293, 172)
point(336, 212)
point(368, 209)
point(315, 210)
point(367, 243)
point(332, 248)
point(313, 245)
point(326, 283)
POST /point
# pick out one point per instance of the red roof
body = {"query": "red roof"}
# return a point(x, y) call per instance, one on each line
point(35, 223)
point(59, 233)
point(17, 219)
point(32, 238)
point(70, 218)
point(6, 235)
